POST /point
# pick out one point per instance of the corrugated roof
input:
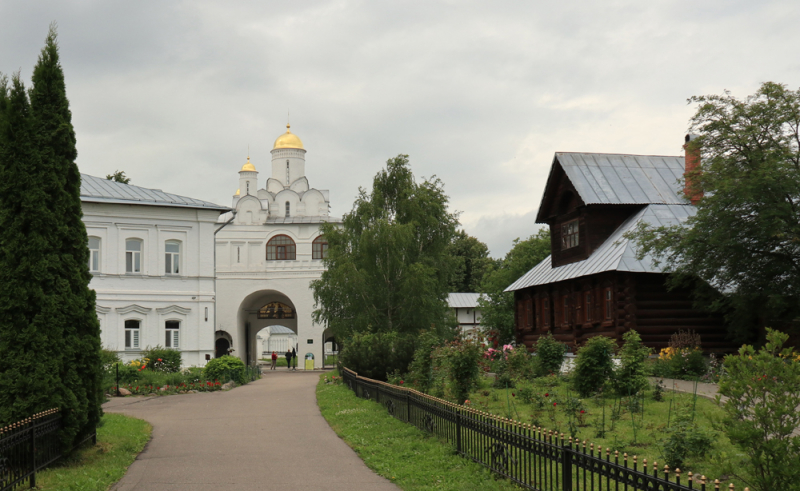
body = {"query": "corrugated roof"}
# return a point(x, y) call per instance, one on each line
point(604, 178)
point(99, 190)
point(615, 254)
point(463, 300)
point(280, 330)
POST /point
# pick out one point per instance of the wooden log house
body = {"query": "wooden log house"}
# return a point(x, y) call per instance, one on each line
point(592, 283)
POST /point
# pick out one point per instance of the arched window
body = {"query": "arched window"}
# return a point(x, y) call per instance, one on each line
point(133, 256)
point(281, 247)
point(319, 248)
point(132, 334)
point(287, 208)
point(172, 257)
point(94, 254)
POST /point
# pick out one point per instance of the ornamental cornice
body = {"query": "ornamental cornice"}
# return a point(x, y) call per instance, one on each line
point(133, 308)
point(174, 309)
point(102, 310)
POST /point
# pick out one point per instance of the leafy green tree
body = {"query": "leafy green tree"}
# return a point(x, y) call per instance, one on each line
point(49, 333)
point(387, 266)
point(594, 365)
point(119, 176)
point(743, 239)
point(497, 305)
point(761, 418)
point(472, 262)
point(630, 377)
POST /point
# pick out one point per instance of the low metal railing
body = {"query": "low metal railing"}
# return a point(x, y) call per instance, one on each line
point(535, 458)
point(29, 446)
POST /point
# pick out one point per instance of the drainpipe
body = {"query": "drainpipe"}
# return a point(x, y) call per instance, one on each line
point(215, 274)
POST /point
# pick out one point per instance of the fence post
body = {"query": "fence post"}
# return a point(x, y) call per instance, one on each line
point(566, 467)
point(458, 430)
point(33, 453)
point(408, 406)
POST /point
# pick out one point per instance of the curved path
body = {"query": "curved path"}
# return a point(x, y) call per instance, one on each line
point(265, 435)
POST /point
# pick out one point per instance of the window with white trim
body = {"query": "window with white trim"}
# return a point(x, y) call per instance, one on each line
point(94, 254)
point(173, 336)
point(133, 256)
point(172, 257)
point(132, 334)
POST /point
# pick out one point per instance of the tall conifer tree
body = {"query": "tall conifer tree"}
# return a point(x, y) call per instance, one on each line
point(47, 311)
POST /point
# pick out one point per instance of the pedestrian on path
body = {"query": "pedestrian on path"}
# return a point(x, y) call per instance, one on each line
point(288, 358)
point(294, 357)
point(274, 360)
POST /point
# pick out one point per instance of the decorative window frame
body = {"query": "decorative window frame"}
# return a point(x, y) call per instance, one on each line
point(141, 253)
point(290, 254)
point(322, 242)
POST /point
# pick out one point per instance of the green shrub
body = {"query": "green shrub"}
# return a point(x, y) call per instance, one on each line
point(374, 355)
point(421, 368)
point(226, 368)
point(461, 358)
point(686, 439)
point(163, 359)
point(108, 358)
point(549, 355)
point(761, 417)
point(503, 381)
point(630, 377)
point(593, 365)
point(688, 364)
point(519, 363)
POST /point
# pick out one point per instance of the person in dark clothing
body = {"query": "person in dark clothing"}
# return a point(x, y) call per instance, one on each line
point(289, 359)
point(294, 358)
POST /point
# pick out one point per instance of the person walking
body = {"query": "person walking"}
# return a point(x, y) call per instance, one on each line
point(288, 358)
point(274, 360)
point(294, 358)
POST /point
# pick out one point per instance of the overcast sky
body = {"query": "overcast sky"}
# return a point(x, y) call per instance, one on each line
point(480, 94)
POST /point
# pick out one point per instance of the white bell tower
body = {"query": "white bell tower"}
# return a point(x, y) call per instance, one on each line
point(288, 158)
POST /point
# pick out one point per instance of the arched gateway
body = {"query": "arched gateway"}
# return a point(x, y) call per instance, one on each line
point(268, 250)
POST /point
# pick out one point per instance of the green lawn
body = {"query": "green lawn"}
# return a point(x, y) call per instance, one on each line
point(399, 451)
point(96, 467)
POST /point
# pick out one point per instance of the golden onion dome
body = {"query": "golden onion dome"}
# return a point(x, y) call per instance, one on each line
point(248, 166)
point(288, 140)
point(237, 192)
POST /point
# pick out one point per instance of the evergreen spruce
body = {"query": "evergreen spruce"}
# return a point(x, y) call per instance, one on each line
point(49, 333)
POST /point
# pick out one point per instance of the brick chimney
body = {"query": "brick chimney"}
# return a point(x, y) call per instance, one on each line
point(692, 170)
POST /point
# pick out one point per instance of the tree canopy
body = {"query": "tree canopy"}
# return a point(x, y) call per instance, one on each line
point(49, 332)
point(119, 176)
point(388, 267)
point(472, 262)
point(744, 240)
point(496, 304)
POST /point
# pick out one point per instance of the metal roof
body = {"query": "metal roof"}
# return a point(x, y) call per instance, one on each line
point(463, 300)
point(280, 330)
point(288, 220)
point(605, 178)
point(99, 190)
point(615, 254)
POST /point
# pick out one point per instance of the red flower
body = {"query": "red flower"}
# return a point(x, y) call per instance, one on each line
point(401, 382)
point(159, 359)
point(555, 403)
point(547, 394)
point(582, 411)
point(513, 395)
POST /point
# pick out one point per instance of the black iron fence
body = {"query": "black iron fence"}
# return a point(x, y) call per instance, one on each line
point(29, 446)
point(533, 457)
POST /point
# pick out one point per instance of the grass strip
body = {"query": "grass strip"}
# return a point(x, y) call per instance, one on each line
point(398, 451)
point(97, 467)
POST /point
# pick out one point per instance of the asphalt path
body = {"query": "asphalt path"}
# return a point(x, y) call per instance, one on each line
point(265, 435)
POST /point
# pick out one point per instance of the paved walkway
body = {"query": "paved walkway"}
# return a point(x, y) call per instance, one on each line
point(703, 389)
point(266, 435)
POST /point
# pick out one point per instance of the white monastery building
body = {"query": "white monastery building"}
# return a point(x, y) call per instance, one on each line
point(467, 311)
point(152, 264)
point(268, 250)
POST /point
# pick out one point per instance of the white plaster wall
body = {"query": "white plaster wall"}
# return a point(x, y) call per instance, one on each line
point(153, 297)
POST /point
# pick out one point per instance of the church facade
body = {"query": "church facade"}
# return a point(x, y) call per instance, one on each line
point(268, 250)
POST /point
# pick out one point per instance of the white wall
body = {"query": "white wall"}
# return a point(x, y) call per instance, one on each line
point(152, 296)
